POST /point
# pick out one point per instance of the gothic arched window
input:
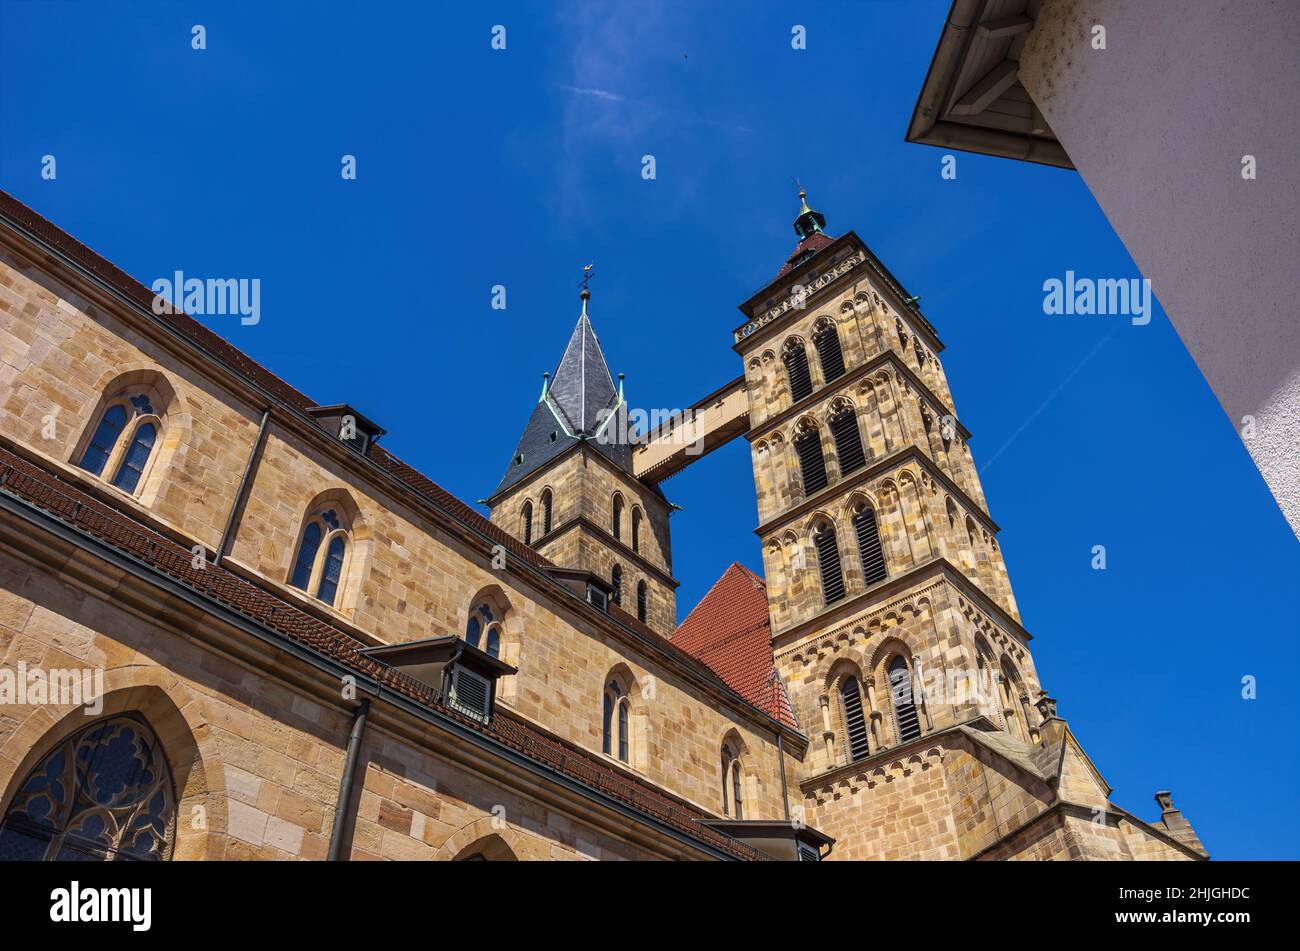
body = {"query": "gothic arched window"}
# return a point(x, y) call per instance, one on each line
point(104, 794)
point(322, 555)
point(733, 798)
point(636, 529)
point(546, 513)
point(848, 440)
point(900, 694)
point(528, 523)
point(829, 354)
point(869, 548)
point(616, 721)
point(616, 582)
point(618, 517)
point(124, 439)
point(828, 561)
point(855, 724)
point(483, 630)
point(812, 465)
point(642, 601)
point(796, 369)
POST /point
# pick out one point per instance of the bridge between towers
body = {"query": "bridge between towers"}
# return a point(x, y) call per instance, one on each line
point(703, 427)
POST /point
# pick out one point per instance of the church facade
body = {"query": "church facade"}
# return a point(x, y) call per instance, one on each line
point(234, 626)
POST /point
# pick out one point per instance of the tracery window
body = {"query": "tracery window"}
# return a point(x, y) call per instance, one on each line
point(104, 794)
point(733, 802)
point(483, 630)
point(124, 439)
point(322, 555)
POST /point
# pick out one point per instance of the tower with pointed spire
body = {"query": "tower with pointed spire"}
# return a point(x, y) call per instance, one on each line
point(569, 490)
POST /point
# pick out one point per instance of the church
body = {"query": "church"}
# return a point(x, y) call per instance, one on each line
point(259, 634)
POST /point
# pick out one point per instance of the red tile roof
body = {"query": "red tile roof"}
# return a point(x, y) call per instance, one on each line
point(814, 242)
point(730, 630)
point(32, 484)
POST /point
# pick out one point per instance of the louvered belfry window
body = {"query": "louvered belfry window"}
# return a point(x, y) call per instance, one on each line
point(828, 560)
point(848, 440)
point(546, 513)
point(616, 582)
point(855, 723)
point(642, 601)
point(812, 466)
point(869, 548)
point(900, 691)
point(528, 523)
point(796, 366)
point(827, 342)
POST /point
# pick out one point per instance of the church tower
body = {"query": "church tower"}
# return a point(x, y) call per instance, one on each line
point(569, 490)
point(894, 627)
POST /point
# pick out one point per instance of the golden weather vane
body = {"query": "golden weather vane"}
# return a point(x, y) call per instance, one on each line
point(586, 276)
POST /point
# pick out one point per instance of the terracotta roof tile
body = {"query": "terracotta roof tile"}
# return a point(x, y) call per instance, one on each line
point(814, 242)
point(731, 632)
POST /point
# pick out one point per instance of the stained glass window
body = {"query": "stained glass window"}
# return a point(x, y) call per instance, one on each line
point(137, 457)
point(306, 556)
point(104, 794)
point(105, 438)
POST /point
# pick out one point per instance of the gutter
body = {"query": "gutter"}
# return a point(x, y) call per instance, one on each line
point(337, 670)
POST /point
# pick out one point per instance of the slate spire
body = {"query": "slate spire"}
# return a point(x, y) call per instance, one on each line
point(580, 403)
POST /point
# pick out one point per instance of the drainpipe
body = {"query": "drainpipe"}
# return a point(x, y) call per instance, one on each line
point(347, 781)
point(241, 496)
point(785, 794)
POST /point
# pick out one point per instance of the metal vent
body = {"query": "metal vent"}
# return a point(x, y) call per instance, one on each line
point(848, 441)
point(900, 689)
point(808, 854)
point(854, 723)
point(471, 693)
point(869, 549)
point(796, 365)
point(828, 559)
point(811, 464)
point(827, 343)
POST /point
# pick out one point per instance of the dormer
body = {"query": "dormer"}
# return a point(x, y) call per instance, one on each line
point(464, 676)
point(348, 426)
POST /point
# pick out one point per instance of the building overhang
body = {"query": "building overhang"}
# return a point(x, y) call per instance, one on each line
point(972, 99)
point(779, 839)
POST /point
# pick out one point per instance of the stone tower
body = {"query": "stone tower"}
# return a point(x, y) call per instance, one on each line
point(894, 626)
point(569, 489)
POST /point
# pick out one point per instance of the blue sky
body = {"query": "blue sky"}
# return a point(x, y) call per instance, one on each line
point(479, 167)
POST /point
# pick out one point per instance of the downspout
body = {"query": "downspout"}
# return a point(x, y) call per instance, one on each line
point(227, 536)
point(347, 781)
point(785, 793)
